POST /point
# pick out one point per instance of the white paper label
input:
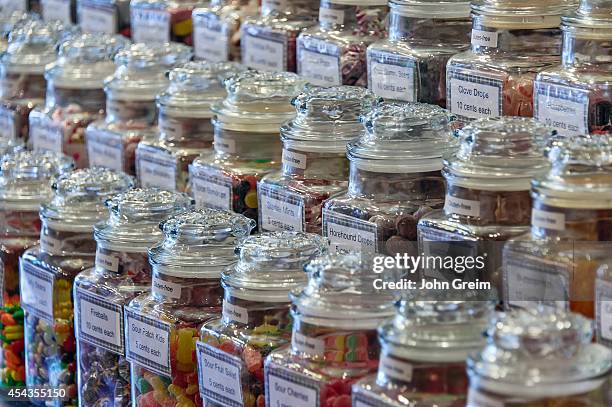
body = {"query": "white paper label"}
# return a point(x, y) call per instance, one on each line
point(56, 10)
point(263, 54)
point(7, 7)
point(210, 42)
point(477, 399)
point(460, 206)
point(98, 19)
point(395, 368)
point(49, 244)
point(211, 191)
point(219, 375)
point(306, 344)
point(147, 342)
point(224, 145)
point(564, 109)
point(150, 26)
point(232, 312)
point(156, 169)
point(280, 209)
point(47, 136)
point(484, 38)
point(474, 95)
point(286, 388)
point(36, 290)
point(107, 261)
point(547, 220)
point(318, 68)
point(108, 154)
point(8, 131)
point(392, 81)
point(166, 288)
point(603, 302)
point(293, 159)
point(535, 282)
point(331, 16)
point(346, 233)
point(100, 322)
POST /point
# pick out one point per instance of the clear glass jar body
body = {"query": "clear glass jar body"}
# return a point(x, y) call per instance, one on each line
point(162, 21)
point(268, 43)
point(216, 30)
point(104, 16)
point(576, 96)
point(410, 65)
point(58, 10)
point(495, 78)
point(603, 299)
point(334, 53)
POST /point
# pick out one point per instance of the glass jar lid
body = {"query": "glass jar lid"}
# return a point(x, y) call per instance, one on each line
point(141, 72)
point(327, 118)
point(32, 46)
point(195, 86)
point(8, 22)
point(499, 154)
point(595, 14)
point(581, 166)
point(199, 243)
point(404, 138)
point(540, 353)
point(84, 61)
point(260, 100)
point(135, 216)
point(514, 14)
point(431, 8)
point(79, 196)
point(437, 331)
point(341, 292)
point(10, 146)
point(25, 178)
point(271, 264)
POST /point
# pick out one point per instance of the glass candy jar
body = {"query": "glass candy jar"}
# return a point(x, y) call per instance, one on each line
point(216, 29)
point(67, 247)
point(411, 64)
point(268, 43)
point(185, 130)
point(255, 317)
point(576, 96)
point(511, 42)
point(547, 359)
point(25, 179)
point(314, 164)
point(246, 140)
point(75, 95)
point(162, 326)
point(487, 200)
point(162, 21)
point(122, 272)
point(334, 52)
point(571, 223)
point(131, 116)
point(22, 83)
point(334, 341)
point(394, 179)
point(423, 354)
point(104, 16)
point(63, 11)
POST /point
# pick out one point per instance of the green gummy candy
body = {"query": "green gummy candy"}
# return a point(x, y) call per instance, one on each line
point(143, 386)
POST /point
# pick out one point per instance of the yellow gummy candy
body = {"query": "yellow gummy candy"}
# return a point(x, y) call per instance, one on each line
point(175, 390)
point(191, 389)
point(185, 346)
point(160, 396)
point(157, 384)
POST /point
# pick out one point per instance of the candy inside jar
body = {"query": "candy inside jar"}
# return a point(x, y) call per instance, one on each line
point(185, 293)
point(539, 352)
point(75, 95)
point(121, 272)
point(255, 319)
point(334, 342)
point(394, 179)
point(334, 52)
point(314, 163)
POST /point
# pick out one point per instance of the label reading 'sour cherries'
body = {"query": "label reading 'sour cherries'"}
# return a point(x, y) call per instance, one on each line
point(147, 342)
point(219, 374)
point(460, 206)
point(57, 10)
point(547, 219)
point(473, 94)
point(100, 321)
point(346, 233)
point(150, 25)
point(236, 313)
point(36, 286)
point(391, 76)
point(266, 54)
point(285, 387)
point(562, 108)
point(603, 313)
point(156, 168)
point(280, 209)
point(210, 39)
point(96, 18)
